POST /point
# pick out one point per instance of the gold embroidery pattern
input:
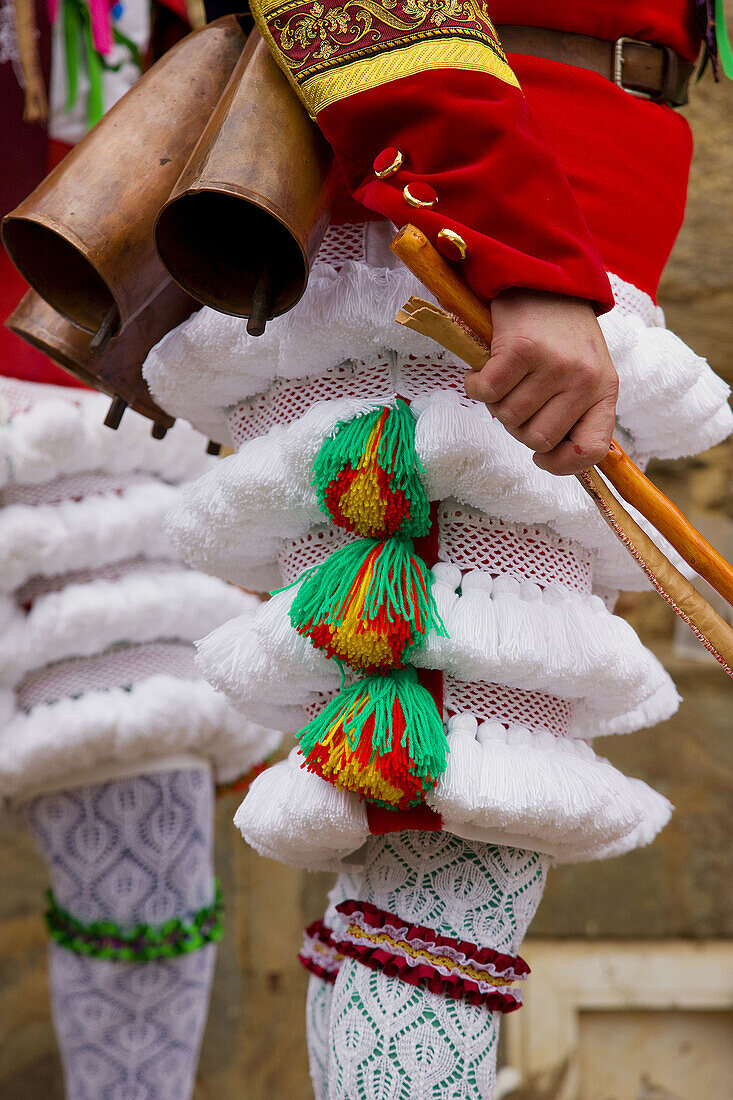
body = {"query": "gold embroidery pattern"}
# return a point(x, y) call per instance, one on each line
point(331, 51)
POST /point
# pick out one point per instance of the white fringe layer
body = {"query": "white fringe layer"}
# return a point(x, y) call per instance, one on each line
point(236, 518)
point(62, 741)
point(45, 540)
point(209, 363)
point(538, 791)
point(503, 631)
point(670, 401)
point(83, 619)
point(502, 786)
point(296, 817)
point(66, 435)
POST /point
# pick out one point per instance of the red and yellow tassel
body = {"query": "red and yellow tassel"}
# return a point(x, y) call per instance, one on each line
point(366, 475)
point(381, 738)
point(368, 604)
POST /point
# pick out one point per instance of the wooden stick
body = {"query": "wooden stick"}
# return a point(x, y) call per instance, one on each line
point(637, 489)
point(417, 253)
point(711, 629)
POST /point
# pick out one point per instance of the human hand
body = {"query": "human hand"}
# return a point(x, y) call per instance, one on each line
point(550, 379)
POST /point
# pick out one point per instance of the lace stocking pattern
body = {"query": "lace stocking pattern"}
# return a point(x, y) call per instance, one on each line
point(392, 1041)
point(130, 1030)
point(135, 850)
point(317, 1024)
point(130, 851)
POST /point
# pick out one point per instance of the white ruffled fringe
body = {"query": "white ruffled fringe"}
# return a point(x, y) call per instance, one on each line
point(156, 717)
point(84, 619)
point(242, 509)
point(294, 816)
point(541, 792)
point(59, 436)
point(670, 401)
point(209, 363)
point(501, 631)
point(528, 790)
point(234, 520)
point(45, 540)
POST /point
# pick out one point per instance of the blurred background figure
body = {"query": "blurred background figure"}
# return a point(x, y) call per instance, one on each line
point(111, 741)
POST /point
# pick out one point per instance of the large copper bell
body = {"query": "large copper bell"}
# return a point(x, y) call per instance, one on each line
point(244, 222)
point(116, 368)
point(84, 238)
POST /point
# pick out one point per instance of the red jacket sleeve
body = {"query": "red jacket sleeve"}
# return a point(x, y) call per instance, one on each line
point(430, 126)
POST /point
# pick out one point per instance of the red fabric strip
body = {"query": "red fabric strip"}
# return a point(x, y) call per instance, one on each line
point(381, 820)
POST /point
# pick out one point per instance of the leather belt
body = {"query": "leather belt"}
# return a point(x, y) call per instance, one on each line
point(640, 68)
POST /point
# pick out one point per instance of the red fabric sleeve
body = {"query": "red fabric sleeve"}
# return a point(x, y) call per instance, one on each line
point(472, 139)
point(428, 78)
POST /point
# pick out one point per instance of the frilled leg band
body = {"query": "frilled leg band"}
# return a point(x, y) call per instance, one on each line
point(415, 954)
point(134, 917)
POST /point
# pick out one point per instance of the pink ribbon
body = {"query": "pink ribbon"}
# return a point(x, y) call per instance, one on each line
point(100, 21)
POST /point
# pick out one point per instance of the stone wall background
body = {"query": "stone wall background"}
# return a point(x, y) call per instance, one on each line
point(254, 1046)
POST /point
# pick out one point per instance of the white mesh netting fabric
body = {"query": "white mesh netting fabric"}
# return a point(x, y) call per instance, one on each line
point(343, 242)
point(472, 540)
point(38, 586)
point(121, 666)
point(72, 487)
point(510, 706)
point(288, 399)
point(131, 851)
point(392, 1041)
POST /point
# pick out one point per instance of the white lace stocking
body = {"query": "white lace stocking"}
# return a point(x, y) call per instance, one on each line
point(392, 1041)
point(131, 851)
point(317, 1023)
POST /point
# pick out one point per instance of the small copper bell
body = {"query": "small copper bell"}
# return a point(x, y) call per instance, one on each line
point(116, 368)
point(244, 222)
point(84, 238)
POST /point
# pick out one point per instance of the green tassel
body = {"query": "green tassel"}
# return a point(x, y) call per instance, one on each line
point(368, 604)
point(366, 475)
point(72, 34)
point(381, 738)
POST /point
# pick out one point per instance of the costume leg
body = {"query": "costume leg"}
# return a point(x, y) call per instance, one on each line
point(317, 1028)
point(132, 852)
point(323, 960)
point(391, 1039)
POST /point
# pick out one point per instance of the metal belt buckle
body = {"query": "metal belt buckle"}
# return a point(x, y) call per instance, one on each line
point(666, 92)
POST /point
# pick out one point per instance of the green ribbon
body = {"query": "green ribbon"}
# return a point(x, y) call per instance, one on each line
point(725, 53)
point(78, 39)
point(145, 942)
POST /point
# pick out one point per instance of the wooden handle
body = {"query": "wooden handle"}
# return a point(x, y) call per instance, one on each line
point(637, 489)
point(711, 629)
point(417, 253)
point(424, 261)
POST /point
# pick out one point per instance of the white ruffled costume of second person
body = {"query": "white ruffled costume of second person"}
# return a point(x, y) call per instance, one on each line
point(99, 613)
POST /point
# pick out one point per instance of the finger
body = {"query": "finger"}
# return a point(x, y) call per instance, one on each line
point(521, 406)
point(587, 444)
point(553, 422)
point(497, 378)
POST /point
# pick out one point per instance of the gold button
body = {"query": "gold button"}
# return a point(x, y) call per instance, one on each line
point(388, 162)
point(452, 245)
point(420, 194)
